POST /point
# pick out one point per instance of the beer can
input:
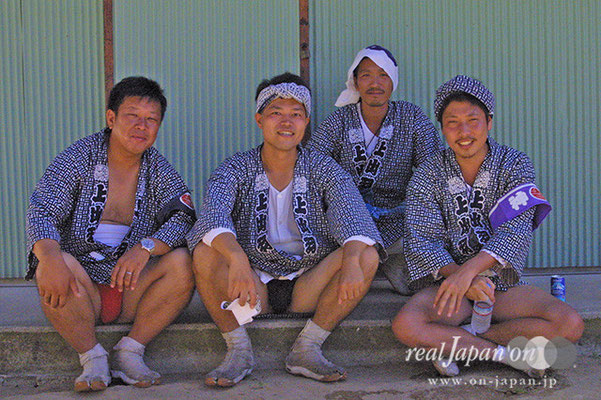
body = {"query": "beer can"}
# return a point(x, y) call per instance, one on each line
point(558, 287)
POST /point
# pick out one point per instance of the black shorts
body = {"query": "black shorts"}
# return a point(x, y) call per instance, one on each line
point(279, 294)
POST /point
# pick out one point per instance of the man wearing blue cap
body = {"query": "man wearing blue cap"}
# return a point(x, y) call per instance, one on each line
point(378, 142)
point(471, 211)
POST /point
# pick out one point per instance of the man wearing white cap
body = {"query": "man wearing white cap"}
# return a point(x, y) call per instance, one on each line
point(378, 142)
point(284, 227)
point(471, 212)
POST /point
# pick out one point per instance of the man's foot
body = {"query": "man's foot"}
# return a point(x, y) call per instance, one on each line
point(128, 364)
point(310, 362)
point(446, 367)
point(237, 364)
point(95, 375)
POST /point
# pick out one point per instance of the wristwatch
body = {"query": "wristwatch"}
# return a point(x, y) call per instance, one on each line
point(148, 245)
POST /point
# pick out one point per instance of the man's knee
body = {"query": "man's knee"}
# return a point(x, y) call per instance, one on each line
point(179, 269)
point(370, 260)
point(568, 324)
point(405, 327)
point(204, 261)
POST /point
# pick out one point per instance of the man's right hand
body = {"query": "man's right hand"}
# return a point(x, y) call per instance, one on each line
point(241, 284)
point(54, 278)
point(481, 289)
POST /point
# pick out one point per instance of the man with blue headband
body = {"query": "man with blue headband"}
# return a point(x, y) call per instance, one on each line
point(471, 212)
point(378, 142)
point(283, 227)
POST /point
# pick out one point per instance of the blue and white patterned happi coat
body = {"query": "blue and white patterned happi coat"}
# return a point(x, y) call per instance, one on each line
point(405, 140)
point(326, 204)
point(446, 223)
point(69, 199)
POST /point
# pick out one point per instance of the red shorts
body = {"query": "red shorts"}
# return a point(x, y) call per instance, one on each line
point(110, 303)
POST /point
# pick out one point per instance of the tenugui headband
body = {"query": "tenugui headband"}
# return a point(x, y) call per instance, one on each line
point(287, 90)
point(383, 59)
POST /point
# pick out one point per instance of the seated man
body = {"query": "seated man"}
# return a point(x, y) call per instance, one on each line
point(460, 249)
point(103, 227)
point(285, 227)
point(379, 142)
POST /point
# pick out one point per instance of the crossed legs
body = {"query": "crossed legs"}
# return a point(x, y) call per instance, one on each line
point(520, 311)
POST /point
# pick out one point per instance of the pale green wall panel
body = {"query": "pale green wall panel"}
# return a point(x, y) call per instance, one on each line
point(12, 123)
point(52, 84)
point(209, 56)
point(540, 58)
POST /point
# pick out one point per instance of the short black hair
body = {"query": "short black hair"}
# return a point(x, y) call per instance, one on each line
point(286, 77)
point(463, 96)
point(136, 86)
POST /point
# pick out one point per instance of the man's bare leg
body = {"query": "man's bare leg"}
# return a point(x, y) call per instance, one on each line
point(211, 272)
point(537, 313)
point(75, 323)
point(164, 288)
point(418, 316)
point(317, 289)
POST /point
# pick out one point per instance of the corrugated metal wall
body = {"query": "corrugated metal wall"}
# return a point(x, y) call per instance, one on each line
point(52, 94)
point(539, 57)
point(209, 56)
point(12, 127)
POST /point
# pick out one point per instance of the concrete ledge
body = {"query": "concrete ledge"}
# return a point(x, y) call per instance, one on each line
point(189, 348)
point(35, 355)
point(29, 356)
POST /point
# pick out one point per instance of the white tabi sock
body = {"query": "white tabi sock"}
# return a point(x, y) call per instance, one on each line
point(129, 363)
point(238, 361)
point(306, 357)
point(95, 367)
point(312, 334)
point(237, 339)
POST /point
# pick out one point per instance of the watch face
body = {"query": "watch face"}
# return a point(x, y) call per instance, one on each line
point(147, 244)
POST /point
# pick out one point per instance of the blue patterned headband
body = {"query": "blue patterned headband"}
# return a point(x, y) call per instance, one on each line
point(465, 84)
point(286, 90)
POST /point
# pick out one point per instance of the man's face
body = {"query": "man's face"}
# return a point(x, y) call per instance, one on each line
point(283, 123)
point(373, 83)
point(465, 127)
point(135, 126)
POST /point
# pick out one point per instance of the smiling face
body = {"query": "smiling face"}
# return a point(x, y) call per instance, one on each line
point(135, 126)
point(283, 123)
point(373, 83)
point(465, 127)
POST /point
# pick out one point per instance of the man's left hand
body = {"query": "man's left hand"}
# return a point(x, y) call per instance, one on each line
point(451, 292)
point(127, 270)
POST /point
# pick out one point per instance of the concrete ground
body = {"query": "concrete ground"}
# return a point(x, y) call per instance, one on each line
point(380, 382)
point(35, 363)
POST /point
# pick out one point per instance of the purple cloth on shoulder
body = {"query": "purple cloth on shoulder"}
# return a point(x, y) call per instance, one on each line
point(516, 202)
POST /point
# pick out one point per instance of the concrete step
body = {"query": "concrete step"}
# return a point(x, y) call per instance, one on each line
point(194, 345)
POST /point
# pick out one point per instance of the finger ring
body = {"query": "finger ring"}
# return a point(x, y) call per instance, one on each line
point(128, 272)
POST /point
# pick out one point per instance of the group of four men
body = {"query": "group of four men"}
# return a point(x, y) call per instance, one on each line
point(291, 228)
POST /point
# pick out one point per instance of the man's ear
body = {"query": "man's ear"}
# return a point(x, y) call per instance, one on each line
point(110, 118)
point(489, 124)
point(258, 119)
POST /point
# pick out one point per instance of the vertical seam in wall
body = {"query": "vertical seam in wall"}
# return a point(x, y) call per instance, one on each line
point(108, 48)
point(303, 24)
